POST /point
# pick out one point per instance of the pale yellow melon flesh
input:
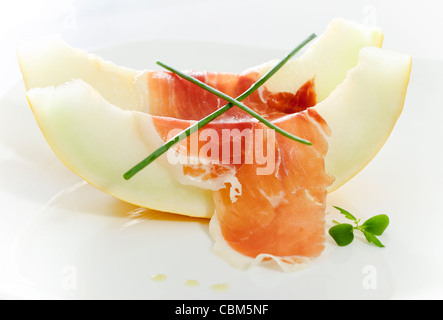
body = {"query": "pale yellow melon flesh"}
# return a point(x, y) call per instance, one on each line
point(362, 111)
point(50, 61)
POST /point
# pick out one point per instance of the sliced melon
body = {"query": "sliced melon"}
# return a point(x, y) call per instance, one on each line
point(51, 62)
point(363, 110)
point(327, 60)
point(99, 141)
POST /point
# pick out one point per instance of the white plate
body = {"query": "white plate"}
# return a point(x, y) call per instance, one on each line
point(62, 238)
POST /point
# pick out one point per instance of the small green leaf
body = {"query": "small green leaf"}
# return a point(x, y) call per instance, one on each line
point(372, 239)
point(347, 214)
point(343, 234)
point(376, 225)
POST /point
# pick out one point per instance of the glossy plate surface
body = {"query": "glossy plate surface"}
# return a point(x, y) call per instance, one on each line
point(62, 238)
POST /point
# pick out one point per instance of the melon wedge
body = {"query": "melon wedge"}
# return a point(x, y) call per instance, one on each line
point(100, 141)
point(327, 60)
point(50, 61)
point(363, 110)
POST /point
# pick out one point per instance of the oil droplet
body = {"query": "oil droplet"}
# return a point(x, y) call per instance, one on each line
point(192, 283)
point(159, 277)
point(220, 287)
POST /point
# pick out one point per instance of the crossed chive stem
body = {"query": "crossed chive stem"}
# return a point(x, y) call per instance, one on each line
point(231, 102)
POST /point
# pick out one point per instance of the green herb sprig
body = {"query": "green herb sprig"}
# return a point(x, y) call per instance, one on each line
point(203, 122)
point(343, 233)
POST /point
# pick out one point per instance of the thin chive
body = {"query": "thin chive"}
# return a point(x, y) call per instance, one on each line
point(234, 102)
point(195, 127)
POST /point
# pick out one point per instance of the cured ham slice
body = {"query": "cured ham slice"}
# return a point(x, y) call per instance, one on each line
point(280, 211)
